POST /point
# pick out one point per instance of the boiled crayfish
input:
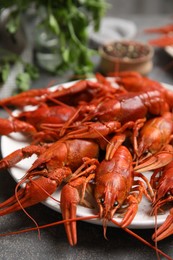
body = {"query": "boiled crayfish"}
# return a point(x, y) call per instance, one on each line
point(166, 39)
point(55, 164)
point(89, 101)
point(95, 138)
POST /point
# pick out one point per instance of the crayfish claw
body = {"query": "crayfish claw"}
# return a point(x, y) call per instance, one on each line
point(11, 205)
point(166, 229)
point(71, 195)
point(155, 161)
point(69, 199)
point(35, 191)
point(131, 212)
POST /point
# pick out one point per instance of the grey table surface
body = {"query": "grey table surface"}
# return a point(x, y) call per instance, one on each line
point(91, 242)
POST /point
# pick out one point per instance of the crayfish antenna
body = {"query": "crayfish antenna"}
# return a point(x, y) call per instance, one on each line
point(155, 242)
point(24, 210)
point(142, 240)
point(49, 225)
point(105, 228)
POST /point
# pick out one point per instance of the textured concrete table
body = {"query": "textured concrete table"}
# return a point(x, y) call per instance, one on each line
point(91, 243)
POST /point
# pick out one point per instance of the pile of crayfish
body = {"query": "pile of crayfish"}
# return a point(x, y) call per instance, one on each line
point(95, 138)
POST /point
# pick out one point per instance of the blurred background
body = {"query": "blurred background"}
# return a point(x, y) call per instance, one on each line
point(123, 7)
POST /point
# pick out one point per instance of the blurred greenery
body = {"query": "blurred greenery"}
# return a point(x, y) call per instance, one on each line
point(68, 20)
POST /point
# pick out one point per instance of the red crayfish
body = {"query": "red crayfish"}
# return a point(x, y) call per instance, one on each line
point(161, 181)
point(54, 165)
point(88, 100)
point(97, 143)
point(166, 39)
point(114, 186)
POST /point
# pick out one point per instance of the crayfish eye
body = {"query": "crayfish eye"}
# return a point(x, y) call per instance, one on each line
point(102, 200)
point(115, 203)
point(41, 166)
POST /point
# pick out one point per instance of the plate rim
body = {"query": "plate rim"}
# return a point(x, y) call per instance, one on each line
point(169, 50)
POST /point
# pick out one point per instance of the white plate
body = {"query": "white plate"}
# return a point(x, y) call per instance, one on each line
point(169, 50)
point(16, 141)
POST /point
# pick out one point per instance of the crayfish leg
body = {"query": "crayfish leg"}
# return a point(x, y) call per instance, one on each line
point(166, 229)
point(113, 145)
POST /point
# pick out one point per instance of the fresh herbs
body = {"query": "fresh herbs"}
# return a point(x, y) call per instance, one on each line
point(68, 21)
point(23, 79)
point(5, 70)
